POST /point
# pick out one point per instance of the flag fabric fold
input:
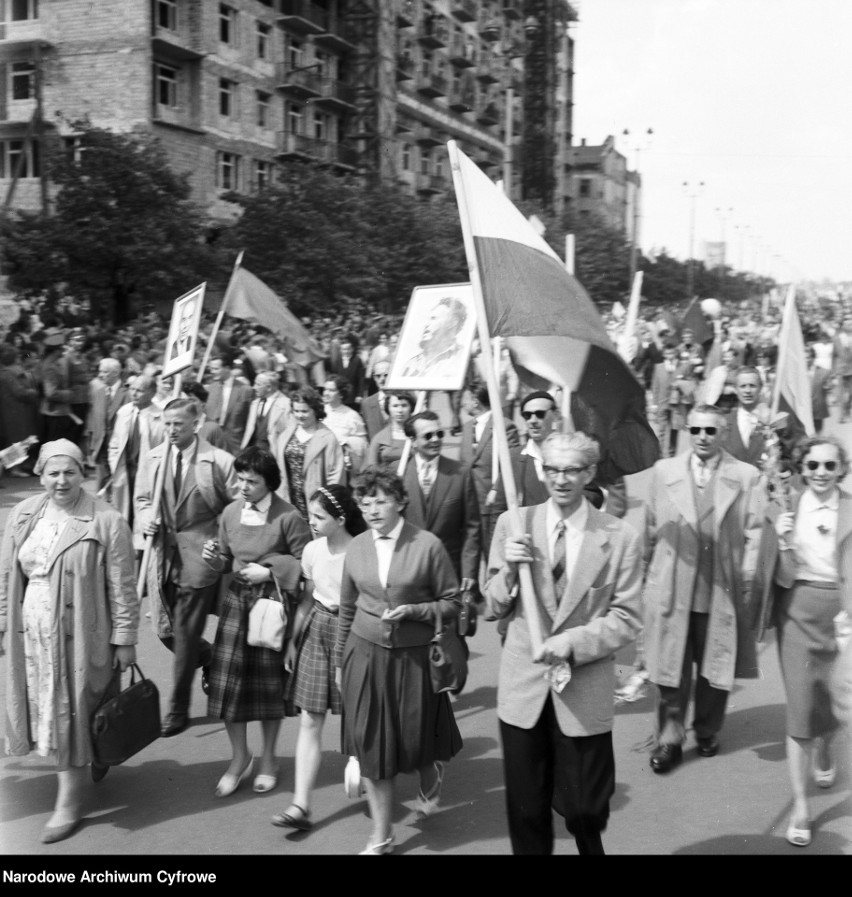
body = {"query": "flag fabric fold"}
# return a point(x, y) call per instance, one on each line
point(550, 325)
point(250, 299)
point(792, 380)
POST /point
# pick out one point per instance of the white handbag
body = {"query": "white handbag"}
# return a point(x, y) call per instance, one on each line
point(267, 624)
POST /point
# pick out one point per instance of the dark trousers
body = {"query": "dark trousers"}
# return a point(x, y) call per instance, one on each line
point(544, 771)
point(710, 702)
point(187, 609)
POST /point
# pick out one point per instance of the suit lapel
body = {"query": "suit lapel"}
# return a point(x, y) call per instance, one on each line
point(679, 487)
point(415, 494)
point(542, 575)
point(726, 492)
point(594, 553)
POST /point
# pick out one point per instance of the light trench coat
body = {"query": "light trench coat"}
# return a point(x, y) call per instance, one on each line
point(94, 603)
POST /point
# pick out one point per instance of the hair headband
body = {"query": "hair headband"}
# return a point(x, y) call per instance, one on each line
point(333, 500)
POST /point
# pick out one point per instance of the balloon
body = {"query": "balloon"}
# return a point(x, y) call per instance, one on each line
point(712, 307)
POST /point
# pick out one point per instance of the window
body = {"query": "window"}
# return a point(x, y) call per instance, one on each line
point(294, 120)
point(227, 170)
point(165, 87)
point(24, 9)
point(263, 37)
point(424, 161)
point(167, 14)
point(227, 97)
point(262, 175)
point(585, 187)
point(295, 53)
point(439, 166)
point(227, 25)
point(263, 100)
point(406, 157)
point(19, 152)
point(320, 126)
point(23, 74)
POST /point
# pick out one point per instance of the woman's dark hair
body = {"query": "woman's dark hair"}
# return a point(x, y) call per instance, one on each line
point(343, 386)
point(405, 396)
point(337, 501)
point(372, 479)
point(259, 461)
point(311, 398)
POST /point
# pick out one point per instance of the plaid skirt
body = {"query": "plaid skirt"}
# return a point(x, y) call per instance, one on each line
point(312, 686)
point(392, 720)
point(246, 683)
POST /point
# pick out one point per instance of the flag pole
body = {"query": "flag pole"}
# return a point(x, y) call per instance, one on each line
point(782, 355)
point(218, 323)
point(499, 424)
point(632, 317)
point(565, 399)
point(495, 456)
point(156, 499)
point(419, 405)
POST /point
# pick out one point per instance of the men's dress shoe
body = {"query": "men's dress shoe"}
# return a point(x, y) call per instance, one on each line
point(228, 784)
point(53, 833)
point(708, 747)
point(99, 770)
point(666, 757)
point(174, 725)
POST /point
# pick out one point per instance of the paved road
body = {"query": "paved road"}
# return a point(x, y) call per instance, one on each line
point(161, 802)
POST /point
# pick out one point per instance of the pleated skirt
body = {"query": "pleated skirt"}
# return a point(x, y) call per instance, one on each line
point(807, 650)
point(392, 720)
point(312, 686)
point(246, 683)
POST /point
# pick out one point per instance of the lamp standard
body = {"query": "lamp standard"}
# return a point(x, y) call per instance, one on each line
point(693, 191)
point(643, 141)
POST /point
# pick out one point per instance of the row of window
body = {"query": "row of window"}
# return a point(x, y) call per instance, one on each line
point(18, 10)
point(166, 16)
point(431, 161)
point(230, 173)
point(19, 157)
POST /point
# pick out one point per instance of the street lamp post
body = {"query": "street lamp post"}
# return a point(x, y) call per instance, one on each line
point(642, 142)
point(693, 191)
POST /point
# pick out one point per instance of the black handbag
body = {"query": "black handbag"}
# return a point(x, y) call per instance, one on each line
point(447, 657)
point(124, 724)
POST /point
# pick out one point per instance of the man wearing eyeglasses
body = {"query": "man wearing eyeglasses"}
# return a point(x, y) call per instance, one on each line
point(442, 497)
point(372, 409)
point(556, 708)
point(703, 532)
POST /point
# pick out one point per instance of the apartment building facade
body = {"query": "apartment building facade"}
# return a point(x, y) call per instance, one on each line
point(233, 88)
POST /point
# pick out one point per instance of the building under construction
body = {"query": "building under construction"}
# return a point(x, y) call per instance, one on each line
point(375, 87)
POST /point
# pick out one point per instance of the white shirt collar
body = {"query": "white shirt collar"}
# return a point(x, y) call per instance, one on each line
point(188, 452)
point(809, 502)
point(393, 535)
point(576, 521)
point(424, 464)
point(532, 449)
point(696, 463)
point(262, 505)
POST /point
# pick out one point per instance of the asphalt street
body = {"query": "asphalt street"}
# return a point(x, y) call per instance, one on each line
point(161, 803)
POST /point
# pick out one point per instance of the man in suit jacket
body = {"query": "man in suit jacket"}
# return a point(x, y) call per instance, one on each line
point(704, 520)
point(349, 365)
point(106, 395)
point(199, 482)
point(672, 395)
point(269, 412)
point(228, 400)
point(372, 408)
point(138, 428)
point(744, 435)
point(441, 496)
point(477, 453)
point(556, 708)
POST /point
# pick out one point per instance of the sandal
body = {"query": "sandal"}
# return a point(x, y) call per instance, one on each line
point(379, 849)
point(799, 837)
point(295, 817)
point(427, 804)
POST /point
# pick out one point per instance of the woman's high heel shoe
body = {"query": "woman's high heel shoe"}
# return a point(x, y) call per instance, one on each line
point(229, 783)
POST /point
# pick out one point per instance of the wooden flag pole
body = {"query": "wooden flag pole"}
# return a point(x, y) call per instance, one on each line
point(419, 405)
point(157, 498)
point(218, 323)
point(565, 404)
point(527, 589)
point(495, 456)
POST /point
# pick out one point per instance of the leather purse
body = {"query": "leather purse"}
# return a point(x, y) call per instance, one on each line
point(447, 657)
point(268, 621)
point(124, 724)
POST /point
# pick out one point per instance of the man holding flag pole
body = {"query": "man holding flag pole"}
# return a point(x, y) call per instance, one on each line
point(557, 677)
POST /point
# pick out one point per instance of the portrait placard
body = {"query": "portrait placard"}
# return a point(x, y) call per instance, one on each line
point(435, 342)
point(183, 331)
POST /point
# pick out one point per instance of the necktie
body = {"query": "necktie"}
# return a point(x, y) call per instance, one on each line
point(261, 411)
point(702, 474)
point(133, 436)
point(178, 475)
point(560, 579)
point(426, 481)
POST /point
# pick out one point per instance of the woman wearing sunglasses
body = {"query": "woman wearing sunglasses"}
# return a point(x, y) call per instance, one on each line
point(812, 566)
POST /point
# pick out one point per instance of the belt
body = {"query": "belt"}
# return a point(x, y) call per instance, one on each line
point(318, 605)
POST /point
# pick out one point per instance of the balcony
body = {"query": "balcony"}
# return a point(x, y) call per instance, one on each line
point(489, 115)
point(406, 13)
point(462, 97)
point(430, 184)
point(20, 34)
point(338, 36)
point(488, 71)
point(435, 33)
point(427, 137)
point(303, 17)
point(513, 9)
point(463, 10)
point(299, 84)
point(178, 45)
point(431, 85)
point(185, 117)
point(336, 95)
point(462, 51)
point(404, 68)
point(311, 149)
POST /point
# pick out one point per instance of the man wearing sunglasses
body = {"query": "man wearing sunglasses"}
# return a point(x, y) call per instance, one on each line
point(703, 531)
point(442, 497)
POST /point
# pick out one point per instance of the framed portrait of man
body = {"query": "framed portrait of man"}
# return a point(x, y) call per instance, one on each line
point(436, 339)
point(183, 331)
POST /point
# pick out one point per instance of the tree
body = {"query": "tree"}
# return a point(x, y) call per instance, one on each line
point(122, 231)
